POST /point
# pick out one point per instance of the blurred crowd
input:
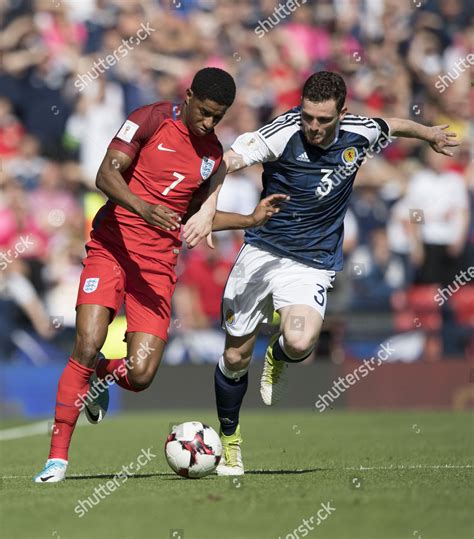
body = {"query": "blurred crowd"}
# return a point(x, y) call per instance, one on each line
point(72, 70)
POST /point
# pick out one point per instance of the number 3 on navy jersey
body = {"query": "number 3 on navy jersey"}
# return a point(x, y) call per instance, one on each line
point(326, 183)
point(320, 296)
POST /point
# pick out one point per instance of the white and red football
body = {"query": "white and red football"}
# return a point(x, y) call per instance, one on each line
point(193, 450)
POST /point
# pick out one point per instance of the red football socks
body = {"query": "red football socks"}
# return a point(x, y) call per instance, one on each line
point(72, 388)
point(116, 368)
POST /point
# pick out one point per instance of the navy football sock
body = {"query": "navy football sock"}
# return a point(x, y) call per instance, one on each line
point(229, 396)
point(280, 354)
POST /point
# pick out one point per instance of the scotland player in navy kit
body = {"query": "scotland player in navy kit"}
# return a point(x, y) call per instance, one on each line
point(312, 154)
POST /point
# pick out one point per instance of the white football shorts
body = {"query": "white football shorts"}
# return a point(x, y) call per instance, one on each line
point(261, 282)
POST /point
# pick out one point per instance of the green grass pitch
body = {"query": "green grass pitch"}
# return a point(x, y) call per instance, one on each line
point(381, 475)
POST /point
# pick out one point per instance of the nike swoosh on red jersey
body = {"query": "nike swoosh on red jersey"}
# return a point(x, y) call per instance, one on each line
point(163, 149)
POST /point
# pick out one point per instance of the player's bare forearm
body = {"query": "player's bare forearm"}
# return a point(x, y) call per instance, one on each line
point(439, 139)
point(209, 205)
point(264, 210)
point(111, 182)
point(233, 161)
point(399, 127)
point(206, 219)
point(231, 221)
point(200, 224)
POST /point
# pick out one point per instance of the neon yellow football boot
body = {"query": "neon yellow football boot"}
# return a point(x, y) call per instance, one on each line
point(231, 461)
point(274, 380)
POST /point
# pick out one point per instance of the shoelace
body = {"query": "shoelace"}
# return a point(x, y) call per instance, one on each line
point(231, 454)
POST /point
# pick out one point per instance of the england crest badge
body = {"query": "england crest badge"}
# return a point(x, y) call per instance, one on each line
point(207, 167)
point(90, 285)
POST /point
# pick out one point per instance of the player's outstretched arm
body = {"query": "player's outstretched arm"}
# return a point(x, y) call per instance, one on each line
point(111, 182)
point(439, 139)
point(200, 224)
point(265, 209)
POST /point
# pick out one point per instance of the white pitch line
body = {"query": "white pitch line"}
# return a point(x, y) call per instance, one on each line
point(346, 469)
point(40, 427)
point(411, 467)
point(33, 429)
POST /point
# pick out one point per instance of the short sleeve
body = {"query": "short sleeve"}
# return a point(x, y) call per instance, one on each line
point(137, 129)
point(269, 142)
point(373, 129)
point(253, 149)
point(384, 128)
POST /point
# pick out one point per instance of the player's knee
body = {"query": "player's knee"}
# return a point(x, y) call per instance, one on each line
point(298, 345)
point(234, 360)
point(140, 379)
point(86, 349)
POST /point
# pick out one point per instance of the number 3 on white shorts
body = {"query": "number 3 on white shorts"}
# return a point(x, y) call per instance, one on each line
point(320, 296)
point(174, 184)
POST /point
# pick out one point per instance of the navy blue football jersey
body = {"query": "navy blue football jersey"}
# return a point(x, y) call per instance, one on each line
point(319, 181)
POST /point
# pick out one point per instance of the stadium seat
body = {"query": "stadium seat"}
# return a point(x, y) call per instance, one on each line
point(420, 310)
point(462, 305)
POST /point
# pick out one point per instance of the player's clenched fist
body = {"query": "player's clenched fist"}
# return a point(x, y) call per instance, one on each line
point(158, 215)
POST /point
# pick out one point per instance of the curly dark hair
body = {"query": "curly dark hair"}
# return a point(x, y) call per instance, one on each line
point(325, 85)
point(214, 84)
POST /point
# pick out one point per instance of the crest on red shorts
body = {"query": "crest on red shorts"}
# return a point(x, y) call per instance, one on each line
point(207, 167)
point(90, 285)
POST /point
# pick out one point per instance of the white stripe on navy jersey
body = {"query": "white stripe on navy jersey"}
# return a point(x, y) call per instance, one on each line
point(279, 123)
point(350, 122)
point(279, 119)
point(371, 133)
point(277, 128)
point(351, 119)
point(355, 117)
point(281, 127)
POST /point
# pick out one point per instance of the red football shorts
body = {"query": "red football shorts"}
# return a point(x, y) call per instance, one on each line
point(112, 275)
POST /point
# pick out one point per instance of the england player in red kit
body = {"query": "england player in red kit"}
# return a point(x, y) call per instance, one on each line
point(159, 158)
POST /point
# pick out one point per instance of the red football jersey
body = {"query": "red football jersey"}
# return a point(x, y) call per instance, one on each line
point(168, 164)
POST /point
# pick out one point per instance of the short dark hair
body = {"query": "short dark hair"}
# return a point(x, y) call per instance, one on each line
point(325, 85)
point(214, 84)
